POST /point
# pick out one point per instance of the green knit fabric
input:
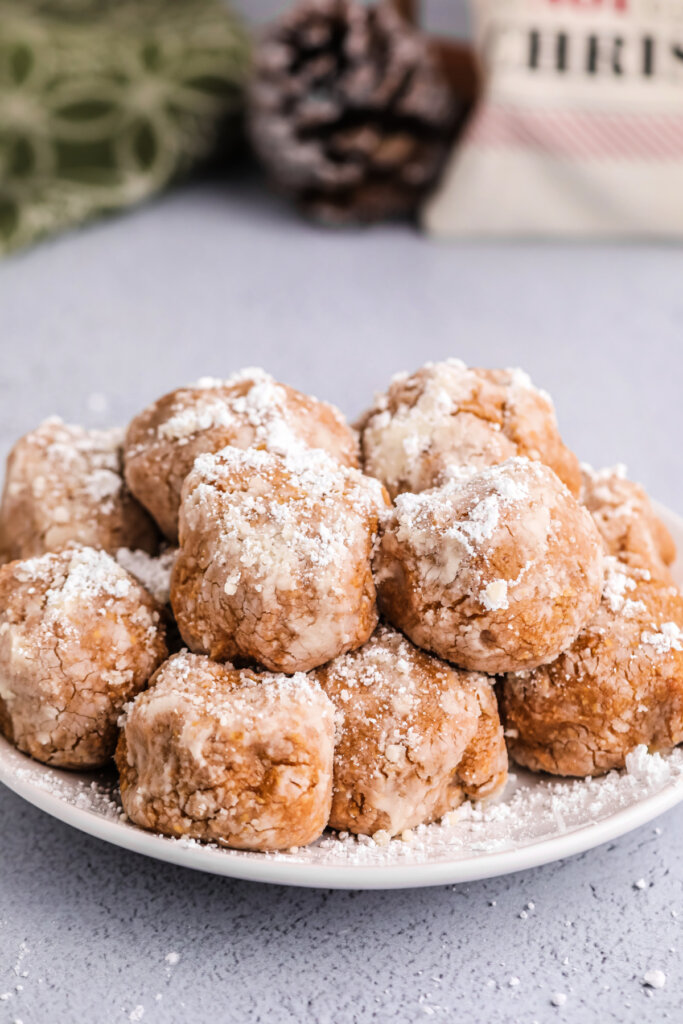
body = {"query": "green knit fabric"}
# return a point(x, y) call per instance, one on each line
point(103, 102)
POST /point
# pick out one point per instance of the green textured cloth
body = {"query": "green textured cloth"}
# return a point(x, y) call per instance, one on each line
point(103, 102)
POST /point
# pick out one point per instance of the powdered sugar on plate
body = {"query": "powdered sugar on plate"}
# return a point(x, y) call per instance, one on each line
point(533, 809)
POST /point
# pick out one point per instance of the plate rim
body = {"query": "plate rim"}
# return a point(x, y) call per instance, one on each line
point(246, 866)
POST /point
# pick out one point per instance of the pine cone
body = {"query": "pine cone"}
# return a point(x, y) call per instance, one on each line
point(349, 111)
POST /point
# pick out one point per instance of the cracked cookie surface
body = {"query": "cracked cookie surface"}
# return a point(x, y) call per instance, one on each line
point(235, 757)
point(248, 409)
point(274, 561)
point(626, 521)
point(64, 485)
point(495, 572)
point(78, 638)
point(415, 736)
point(446, 416)
point(619, 685)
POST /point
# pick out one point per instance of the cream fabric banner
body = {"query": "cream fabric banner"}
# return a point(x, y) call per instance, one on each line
point(579, 131)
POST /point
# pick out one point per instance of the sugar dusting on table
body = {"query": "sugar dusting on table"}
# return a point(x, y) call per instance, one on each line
point(532, 809)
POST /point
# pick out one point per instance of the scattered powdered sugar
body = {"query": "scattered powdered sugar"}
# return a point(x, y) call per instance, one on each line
point(91, 573)
point(97, 794)
point(619, 471)
point(483, 520)
point(212, 412)
point(103, 485)
point(669, 638)
point(63, 465)
point(75, 575)
point(208, 383)
point(654, 978)
point(520, 378)
point(264, 409)
point(280, 515)
point(618, 583)
point(447, 415)
point(453, 528)
point(531, 810)
point(609, 492)
point(153, 573)
point(484, 498)
point(509, 487)
point(494, 596)
point(23, 950)
point(197, 690)
point(651, 769)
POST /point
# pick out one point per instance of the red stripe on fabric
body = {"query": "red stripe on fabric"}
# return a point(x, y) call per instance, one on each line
point(575, 134)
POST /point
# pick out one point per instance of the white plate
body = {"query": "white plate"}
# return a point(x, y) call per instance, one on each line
point(539, 820)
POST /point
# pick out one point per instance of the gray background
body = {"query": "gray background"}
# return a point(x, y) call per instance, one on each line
point(217, 276)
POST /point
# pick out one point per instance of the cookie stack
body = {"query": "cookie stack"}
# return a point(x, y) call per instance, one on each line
point(353, 615)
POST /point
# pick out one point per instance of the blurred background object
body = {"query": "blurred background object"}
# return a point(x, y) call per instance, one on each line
point(496, 118)
point(103, 102)
point(438, 17)
point(349, 109)
point(579, 132)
